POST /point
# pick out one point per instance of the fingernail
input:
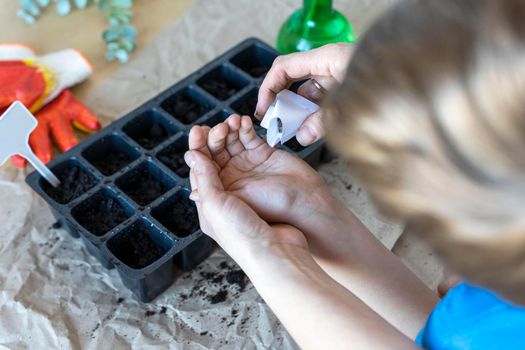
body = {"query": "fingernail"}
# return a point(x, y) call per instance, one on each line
point(305, 136)
point(257, 115)
point(189, 158)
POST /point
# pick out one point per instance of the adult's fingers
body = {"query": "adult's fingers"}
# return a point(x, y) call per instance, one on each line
point(312, 129)
point(329, 60)
point(315, 91)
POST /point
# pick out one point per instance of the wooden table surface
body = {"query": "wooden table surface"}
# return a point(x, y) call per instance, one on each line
point(82, 30)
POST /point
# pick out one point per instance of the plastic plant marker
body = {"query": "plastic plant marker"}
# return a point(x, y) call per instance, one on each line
point(314, 25)
point(16, 124)
point(285, 116)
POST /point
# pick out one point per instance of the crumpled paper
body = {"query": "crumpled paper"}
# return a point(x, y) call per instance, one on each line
point(53, 294)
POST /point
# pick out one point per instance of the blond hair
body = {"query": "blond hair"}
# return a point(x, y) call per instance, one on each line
point(431, 118)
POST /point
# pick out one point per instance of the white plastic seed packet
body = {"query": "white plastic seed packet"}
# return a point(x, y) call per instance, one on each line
point(285, 116)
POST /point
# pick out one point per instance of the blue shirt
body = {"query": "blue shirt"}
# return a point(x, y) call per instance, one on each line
point(470, 317)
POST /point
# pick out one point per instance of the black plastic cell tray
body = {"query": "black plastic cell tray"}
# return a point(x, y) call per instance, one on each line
point(112, 194)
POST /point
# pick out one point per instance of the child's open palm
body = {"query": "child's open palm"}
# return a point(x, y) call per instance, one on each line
point(273, 182)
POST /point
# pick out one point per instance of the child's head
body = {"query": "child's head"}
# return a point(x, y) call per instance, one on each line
point(431, 118)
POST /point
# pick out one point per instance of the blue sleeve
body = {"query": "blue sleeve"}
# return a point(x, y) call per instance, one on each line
point(472, 318)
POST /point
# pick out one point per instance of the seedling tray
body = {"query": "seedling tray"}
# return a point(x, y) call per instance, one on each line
point(125, 189)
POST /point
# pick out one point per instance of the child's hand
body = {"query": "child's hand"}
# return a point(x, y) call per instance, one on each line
point(279, 186)
point(228, 219)
point(275, 257)
point(324, 66)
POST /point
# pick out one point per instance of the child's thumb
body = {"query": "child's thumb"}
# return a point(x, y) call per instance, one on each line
point(205, 172)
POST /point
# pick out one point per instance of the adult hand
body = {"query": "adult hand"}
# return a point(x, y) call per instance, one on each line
point(325, 67)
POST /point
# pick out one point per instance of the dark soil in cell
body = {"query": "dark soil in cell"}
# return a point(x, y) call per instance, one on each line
point(173, 158)
point(258, 71)
point(294, 145)
point(143, 187)
point(247, 105)
point(184, 109)
point(181, 218)
point(110, 163)
point(153, 136)
point(220, 88)
point(101, 216)
point(137, 249)
point(254, 60)
point(216, 119)
point(73, 182)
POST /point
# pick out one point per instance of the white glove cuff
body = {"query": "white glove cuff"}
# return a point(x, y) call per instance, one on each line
point(69, 68)
point(15, 52)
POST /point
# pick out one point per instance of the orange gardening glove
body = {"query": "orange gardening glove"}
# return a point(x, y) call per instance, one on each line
point(55, 120)
point(40, 83)
point(21, 82)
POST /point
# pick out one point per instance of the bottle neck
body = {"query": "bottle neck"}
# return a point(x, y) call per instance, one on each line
point(314, 9)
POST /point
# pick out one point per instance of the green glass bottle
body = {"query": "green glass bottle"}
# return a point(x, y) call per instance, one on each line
point(316, 24)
